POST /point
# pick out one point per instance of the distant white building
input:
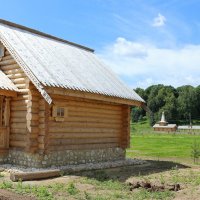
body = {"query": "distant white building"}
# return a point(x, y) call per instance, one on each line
point(164, 126)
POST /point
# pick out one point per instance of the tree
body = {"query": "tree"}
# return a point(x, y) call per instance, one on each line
point(177, 103)
point(187, 102)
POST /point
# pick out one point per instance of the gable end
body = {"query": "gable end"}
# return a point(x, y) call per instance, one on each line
point(26, 69)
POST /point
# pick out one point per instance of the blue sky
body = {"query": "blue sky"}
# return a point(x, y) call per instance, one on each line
point(144, 41)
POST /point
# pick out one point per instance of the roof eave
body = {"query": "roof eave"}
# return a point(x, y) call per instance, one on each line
point(9, 93)
point(55, 91)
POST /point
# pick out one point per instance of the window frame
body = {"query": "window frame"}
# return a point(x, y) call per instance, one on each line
point(59, 113)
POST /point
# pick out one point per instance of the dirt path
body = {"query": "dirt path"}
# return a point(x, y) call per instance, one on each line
point(8, 195)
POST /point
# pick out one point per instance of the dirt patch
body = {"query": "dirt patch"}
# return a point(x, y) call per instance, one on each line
point(150, 187)
point(8, 195)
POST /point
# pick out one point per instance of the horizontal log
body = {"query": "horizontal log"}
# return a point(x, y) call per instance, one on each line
point(41, 120)
point(77, 141)
point(19, 108)
point(19, 81)
point(85, 119)
point(27, 176)
point(18, 125)
point(12, 70)
point(21, 144)
point(85, 103)
point(7, 62)
point(81, 130)
point(13, 76)
point(18, 131)
point(20, 86)
point(19, 102)
point(20, 97)
point(18, 120)
point(33, 110)
point(90, 114)
point(83, 135)
point(18, 137)
point(41, 139)
point(81, 146)
point(18, 114)
point(93, 110)
point(7, 57)
point(86, 125)
point(41, 146)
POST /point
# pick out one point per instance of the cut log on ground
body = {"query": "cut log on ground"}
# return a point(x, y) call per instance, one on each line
point(27, 176)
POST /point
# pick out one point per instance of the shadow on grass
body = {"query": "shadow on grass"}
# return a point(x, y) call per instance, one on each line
point(123, 173)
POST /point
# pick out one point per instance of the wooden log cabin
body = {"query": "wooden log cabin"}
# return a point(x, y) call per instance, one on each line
point(59, 104)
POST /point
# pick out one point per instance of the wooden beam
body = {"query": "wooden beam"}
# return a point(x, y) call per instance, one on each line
point(27, 176)
point(8, 93)
point(80, 94)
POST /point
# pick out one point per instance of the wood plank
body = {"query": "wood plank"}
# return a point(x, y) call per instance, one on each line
point(81, 130)
point(82, 146)
point(83, 135)
point(8, 93)
point(72, 141)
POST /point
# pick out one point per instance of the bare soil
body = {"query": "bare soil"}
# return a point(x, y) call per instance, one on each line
point(8, 195)
point(155, 172)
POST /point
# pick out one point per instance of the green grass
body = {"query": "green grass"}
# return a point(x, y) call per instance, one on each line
point(147, 143)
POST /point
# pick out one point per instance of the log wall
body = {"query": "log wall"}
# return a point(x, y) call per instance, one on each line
point(18, 129)
point(89, 125)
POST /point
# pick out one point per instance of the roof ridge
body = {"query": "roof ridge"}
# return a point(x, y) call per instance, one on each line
point(2, 21)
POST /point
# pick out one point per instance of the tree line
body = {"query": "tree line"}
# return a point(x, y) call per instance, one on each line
point(179, 104)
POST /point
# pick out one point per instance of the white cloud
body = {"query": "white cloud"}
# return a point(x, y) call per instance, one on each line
point(159, 20)
point(142, 65)
point(123, 47)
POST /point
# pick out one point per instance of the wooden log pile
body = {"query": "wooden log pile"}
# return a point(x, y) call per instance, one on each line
point(155, 188)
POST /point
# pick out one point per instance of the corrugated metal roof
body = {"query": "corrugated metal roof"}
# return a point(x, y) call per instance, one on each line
point(6, 83)
point(58, 64)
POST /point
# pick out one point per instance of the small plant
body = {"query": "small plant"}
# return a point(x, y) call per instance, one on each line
point(6, 185)
point(1, 175)
point(19, 187)
point(87, 196)
point(57, 187)
point(71, 189)
point(43, 193)
point(62, 173)
point(162, 180)
point(195, 152)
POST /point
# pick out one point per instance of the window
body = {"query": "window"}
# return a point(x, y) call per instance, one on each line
point(59, 113)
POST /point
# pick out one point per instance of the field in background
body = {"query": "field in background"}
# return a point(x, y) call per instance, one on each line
point(145, 143)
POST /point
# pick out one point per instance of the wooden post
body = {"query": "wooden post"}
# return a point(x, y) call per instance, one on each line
point(1, 110)
point(46, 138)
point(7, 112)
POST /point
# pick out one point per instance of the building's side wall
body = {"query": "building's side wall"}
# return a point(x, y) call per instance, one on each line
point(88, 125)
point(18, 122)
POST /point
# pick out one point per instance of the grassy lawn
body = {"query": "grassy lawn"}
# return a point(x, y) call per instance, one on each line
point(147, 143)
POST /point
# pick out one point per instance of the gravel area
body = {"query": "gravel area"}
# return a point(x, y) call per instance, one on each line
point(75, 168)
